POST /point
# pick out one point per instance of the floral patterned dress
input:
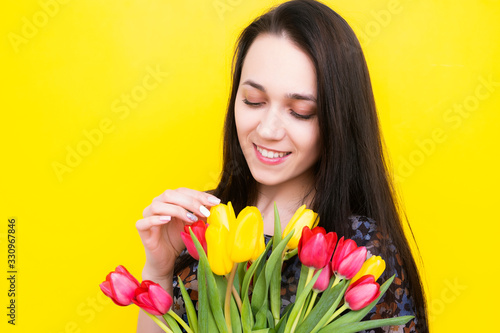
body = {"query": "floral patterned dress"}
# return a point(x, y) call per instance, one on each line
point(365, 234)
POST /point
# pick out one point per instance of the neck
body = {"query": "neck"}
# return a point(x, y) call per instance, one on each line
point(289, 196)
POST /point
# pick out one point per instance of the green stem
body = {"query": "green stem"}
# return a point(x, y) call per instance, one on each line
point(311, 303)
point(227, 304)
point(236, 298)
point(180, 321)
point(159, 322)
point(336, 313)
point(310, 274)
point(336, 282)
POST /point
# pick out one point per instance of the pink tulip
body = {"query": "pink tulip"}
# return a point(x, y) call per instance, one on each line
point(316, 247)
point(362, 292)
point(152, 298)
point(120, 286)
point(348, 258)
point(199, 229)
point(323, 280)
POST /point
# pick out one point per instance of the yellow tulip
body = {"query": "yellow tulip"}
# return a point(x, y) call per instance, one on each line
point(375, 266)
point(222, 215)
point(218, 257)
point(246, 236)
point(302, 217)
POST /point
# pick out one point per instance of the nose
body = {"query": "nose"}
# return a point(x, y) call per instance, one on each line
point(271, 126)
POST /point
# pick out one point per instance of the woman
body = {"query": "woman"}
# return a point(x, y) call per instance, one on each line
point(301, 128)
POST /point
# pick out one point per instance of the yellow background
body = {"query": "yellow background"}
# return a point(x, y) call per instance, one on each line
point(67, 65)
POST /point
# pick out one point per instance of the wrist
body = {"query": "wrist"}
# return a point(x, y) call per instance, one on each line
point(152, 274)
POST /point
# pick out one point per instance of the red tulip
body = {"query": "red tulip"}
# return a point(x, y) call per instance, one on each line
point(348, 258)
point(120, 286)
point(362, 292)
point(316, 247)
point(199, 229)
point(152, 298)
point(323, 280)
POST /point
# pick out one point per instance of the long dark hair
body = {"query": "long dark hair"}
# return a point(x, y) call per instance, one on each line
point(351, 175)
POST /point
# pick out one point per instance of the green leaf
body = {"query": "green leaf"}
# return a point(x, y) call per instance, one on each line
point(302, 279)
point(261, 318)
point(291, 254)
point(275, 287)
point(188, 304)
point(172, 323)
point(240, 275)
point(329, 300)
point(261, 288)
point(249, 274)
point(270, 319)
point(280, 327)
point(212, 290)
point(275, 293)
point(355, 316)
point(206, 322)
point(264, 330)
point(246, 315)
point(299, 302)
point(277, 227)
point(366, 325)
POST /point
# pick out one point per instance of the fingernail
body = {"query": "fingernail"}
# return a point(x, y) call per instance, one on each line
point(214, 200)
point(204, 211)
point(165, 218)
point(192, 217)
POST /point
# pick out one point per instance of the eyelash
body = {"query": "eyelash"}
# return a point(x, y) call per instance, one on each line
point(293, 113)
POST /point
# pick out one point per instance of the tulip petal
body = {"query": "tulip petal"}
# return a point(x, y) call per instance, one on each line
point(122, 288)
point(123, 270)
point(188, 241)
point(362, 295)
point(106, 289)
point(147, 308)
point(218, 258)
point(243, 236)
point(352, 263)
point(323, 280)
point(161, 300)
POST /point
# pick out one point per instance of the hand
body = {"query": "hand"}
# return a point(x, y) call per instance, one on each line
point(162, 224)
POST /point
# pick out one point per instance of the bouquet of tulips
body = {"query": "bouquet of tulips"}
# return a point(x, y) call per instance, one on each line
point(239, 279)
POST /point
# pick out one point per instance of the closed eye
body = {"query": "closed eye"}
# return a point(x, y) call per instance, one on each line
point(247, 102)
point(301, 116)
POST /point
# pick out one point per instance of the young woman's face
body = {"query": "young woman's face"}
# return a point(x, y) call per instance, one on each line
point(275, 111)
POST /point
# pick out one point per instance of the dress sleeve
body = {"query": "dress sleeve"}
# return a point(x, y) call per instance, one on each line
point(397, 300)
point(188, 276)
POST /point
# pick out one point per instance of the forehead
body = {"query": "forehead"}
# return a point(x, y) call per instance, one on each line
point(279, 65)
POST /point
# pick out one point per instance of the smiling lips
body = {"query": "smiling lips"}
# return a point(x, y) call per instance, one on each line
point(270, 156)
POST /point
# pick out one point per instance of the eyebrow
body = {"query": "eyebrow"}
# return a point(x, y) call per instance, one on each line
point(289, 96)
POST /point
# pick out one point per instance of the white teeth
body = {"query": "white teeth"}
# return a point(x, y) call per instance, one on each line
point(270, 154)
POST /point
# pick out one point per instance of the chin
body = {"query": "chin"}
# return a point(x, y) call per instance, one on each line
point(266, 178)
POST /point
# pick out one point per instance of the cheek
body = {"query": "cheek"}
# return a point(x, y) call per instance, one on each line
point(308, 140)
point(246, 121)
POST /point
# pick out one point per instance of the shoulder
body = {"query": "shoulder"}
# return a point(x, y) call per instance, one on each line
point(366, 233)
point(397, 300)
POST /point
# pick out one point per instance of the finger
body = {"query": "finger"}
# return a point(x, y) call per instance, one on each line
point(184, 199)
point(147, 223)
point(173, 210)
point(206, 198)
